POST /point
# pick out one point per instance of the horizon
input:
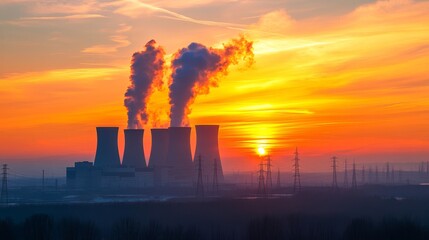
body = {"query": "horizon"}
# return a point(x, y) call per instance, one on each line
point(341, 78)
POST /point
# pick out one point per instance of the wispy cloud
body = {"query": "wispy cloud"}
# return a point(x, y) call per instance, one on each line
point(119, 40)
point(66, 17)
point(135, 8)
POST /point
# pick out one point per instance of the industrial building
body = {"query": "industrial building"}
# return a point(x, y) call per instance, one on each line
point(170, 162)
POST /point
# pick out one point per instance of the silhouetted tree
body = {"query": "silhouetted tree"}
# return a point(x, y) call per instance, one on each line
point(127, 228)
point(294, 227)
point(38, 227)
point(266, 228)
point(359, 229)
point(74, 229)
point(6, 230)
point(397, 229)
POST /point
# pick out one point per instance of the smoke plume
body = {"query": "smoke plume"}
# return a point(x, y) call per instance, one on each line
point(147, 68)
point(197, 68)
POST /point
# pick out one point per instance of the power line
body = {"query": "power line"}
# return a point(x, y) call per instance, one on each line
point(200, 187)
point(269, 180)
point(387, 172)
point(43, 180)
point(346, 177)
point(334, 173)
point(4, 193)
point(296, 176)
point(376, 174)
point(354, 182)
point(261, 180)
point(215, 179)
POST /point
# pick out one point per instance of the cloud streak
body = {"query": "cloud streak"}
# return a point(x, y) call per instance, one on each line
point(67, 17)
point(119, 40)
point(135, 8)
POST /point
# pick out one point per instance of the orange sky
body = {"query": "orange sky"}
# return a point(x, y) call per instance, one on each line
point(350, 80)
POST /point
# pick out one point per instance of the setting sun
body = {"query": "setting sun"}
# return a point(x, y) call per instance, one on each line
point(261, 151)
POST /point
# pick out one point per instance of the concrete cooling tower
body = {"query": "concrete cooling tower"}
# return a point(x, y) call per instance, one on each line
point(158, 155)
point(158, 152)
point(133, 151)
point(179, 157)
point(107, 154)
point(208, 148)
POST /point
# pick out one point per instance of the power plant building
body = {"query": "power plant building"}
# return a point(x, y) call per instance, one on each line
point(107, 171)
point(170, 162)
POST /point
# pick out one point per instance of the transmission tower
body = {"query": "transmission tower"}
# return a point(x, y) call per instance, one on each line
point(400, 176)
point(4, 192)
point(296, 175)
point(363, 174)
point(215, 179)
point(200, 186)
point(376, 174)
point(261, 179)
point(346, 177)
point(392, 175)
point(269, 180)
point(334, 173)
point(387, 172)
point(278, 179)
point(354, 182)
point(43, 180)
point(427, 168)
point(370, 175)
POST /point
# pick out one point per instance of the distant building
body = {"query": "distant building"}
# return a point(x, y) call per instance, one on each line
point(85, 176)
point(170, 162)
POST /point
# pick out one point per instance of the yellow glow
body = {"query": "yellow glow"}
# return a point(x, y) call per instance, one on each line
point(324, 84)
point(261, 151)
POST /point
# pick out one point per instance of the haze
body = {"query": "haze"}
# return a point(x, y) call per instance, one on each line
point(345, 78)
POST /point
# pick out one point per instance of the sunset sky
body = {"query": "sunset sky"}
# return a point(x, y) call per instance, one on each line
point(331, 77)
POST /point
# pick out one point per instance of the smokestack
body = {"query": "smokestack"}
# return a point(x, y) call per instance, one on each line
point(107, 154)
point(208, 147)
point(133, 152)
point(179, 157)
point(158, 155)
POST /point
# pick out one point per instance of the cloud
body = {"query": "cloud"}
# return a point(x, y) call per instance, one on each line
point(119, 40)
point(67, 17)
point(188, 4)
point(135, 8)
point(64, 7)
point(278, 21)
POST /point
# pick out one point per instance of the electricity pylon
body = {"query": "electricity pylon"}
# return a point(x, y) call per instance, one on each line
point(296, 176)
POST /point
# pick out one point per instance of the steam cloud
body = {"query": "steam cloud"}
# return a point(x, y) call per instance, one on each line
point(147, 70)
point(197, 68)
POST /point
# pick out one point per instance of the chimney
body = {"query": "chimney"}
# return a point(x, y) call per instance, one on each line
point(133, 152)
point(107, 154)
point(207, 146)
point(179, 157)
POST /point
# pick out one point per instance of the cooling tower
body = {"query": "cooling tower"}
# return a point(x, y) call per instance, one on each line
point(208, 148)
point(133, 151)
point(107, 154)
point(179, 157)
point(158, 155)
point(158, 152)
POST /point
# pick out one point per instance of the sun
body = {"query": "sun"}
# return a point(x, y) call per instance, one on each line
point(261, 151)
